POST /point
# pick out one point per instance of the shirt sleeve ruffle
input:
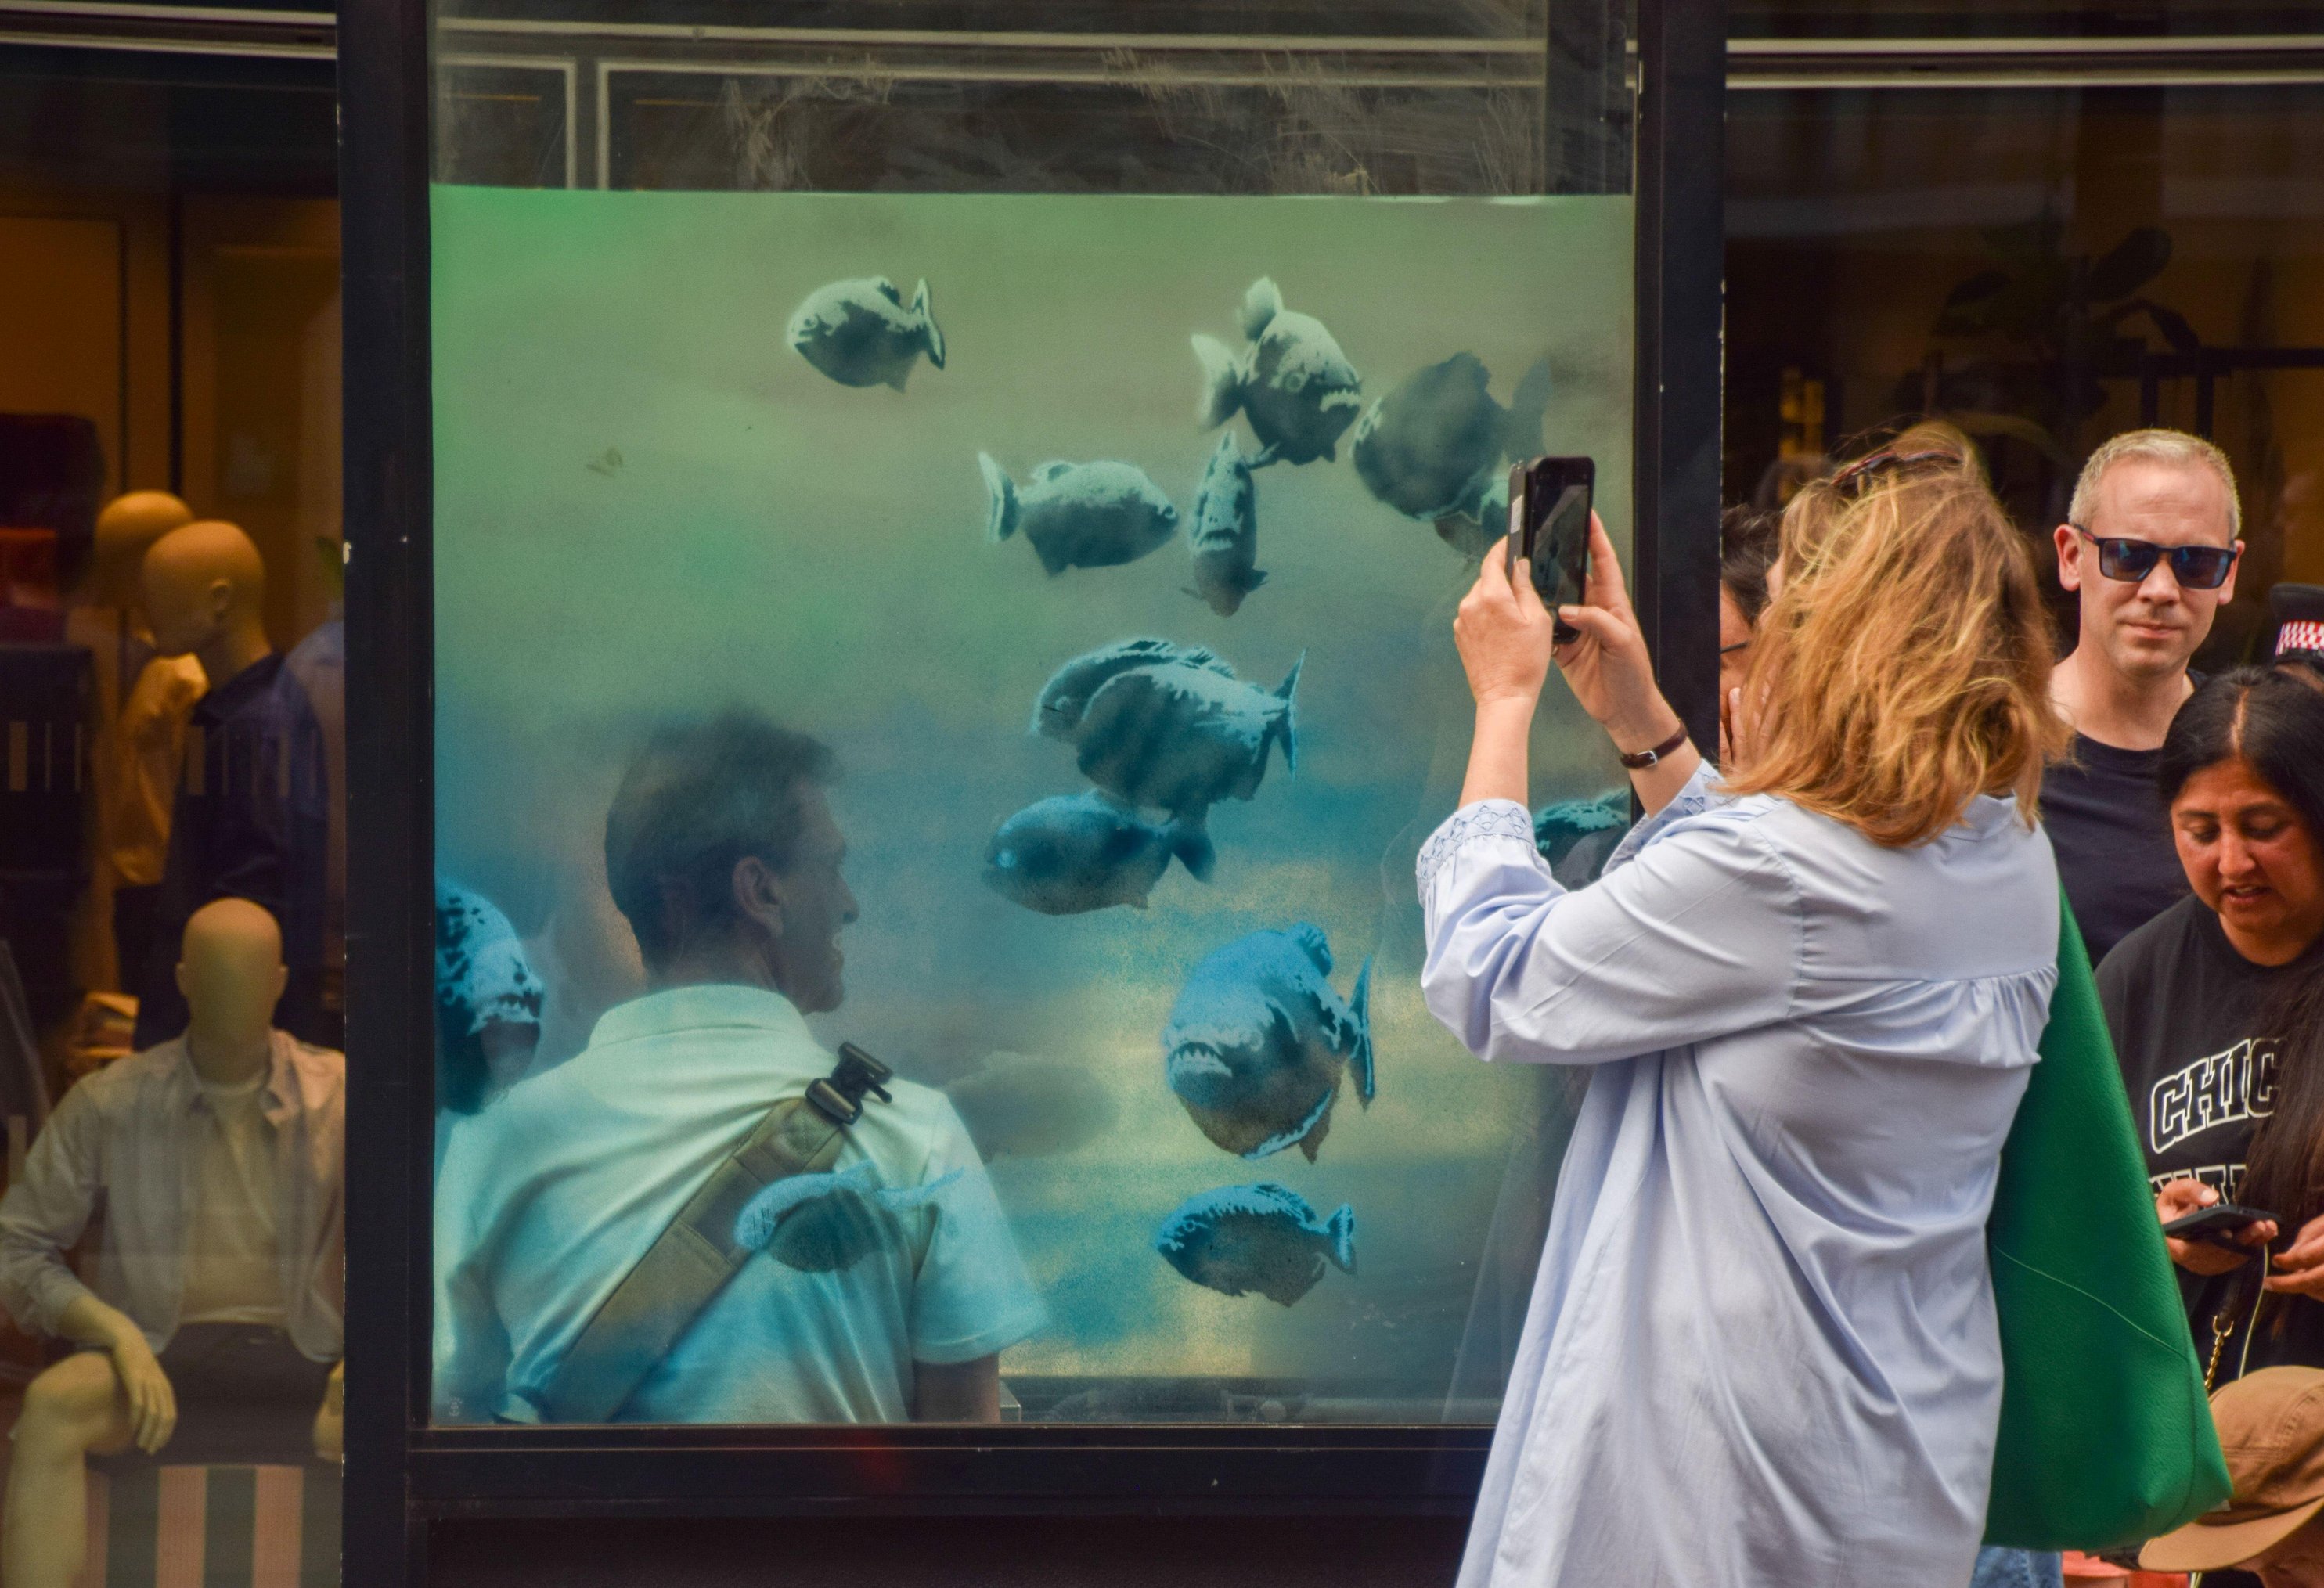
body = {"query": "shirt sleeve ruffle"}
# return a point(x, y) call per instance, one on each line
point(1487, 821)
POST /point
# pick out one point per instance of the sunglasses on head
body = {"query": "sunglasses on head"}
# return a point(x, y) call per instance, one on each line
point(2196, 567)
point(1856, 477)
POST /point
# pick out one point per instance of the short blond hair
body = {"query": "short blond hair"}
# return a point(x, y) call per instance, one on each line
point(1904, 668)
point(2175, 448)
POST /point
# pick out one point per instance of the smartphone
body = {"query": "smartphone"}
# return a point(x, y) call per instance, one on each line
point(2216, 1224)
point(1549, 524)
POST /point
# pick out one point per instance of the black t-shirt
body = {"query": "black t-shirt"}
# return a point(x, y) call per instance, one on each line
point(2181, 1004)
point(2112, 838)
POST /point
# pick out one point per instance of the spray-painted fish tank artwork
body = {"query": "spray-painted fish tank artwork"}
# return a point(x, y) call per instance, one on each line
point(1114, 555)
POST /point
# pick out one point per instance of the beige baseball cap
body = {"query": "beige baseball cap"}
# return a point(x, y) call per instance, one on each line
point(2271, 1428)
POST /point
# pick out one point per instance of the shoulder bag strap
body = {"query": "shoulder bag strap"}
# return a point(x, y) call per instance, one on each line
point(685, 1268)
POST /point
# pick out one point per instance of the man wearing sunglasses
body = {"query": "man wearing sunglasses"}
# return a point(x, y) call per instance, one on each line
point(2149, 548)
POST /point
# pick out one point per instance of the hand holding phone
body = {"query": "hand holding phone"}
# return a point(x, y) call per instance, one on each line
point(1549, 522)
point(2218, 1225)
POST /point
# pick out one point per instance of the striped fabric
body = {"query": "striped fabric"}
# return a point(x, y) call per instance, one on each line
point(212, 1527)
point(2299, 634)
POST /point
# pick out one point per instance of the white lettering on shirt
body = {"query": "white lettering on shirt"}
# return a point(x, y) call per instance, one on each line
point(2219, 1090)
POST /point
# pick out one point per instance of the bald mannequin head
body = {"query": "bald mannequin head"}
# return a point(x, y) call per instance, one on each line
point(230, 970)
point(125, 530)
point(204, 589)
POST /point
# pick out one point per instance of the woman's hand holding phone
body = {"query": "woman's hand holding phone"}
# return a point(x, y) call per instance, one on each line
point(2179, 1198)
point(1607, 666)
point(2299, 1269)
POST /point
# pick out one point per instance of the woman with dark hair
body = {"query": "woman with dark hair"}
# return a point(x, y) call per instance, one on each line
point(2217, 1007)
point(1748, 543)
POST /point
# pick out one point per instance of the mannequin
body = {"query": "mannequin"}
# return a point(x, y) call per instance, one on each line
point(204, 589)
point(238, 1341)
point(252, 819)
point(143, 700)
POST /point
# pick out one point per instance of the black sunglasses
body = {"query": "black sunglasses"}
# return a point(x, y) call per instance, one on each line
point(2196, 567)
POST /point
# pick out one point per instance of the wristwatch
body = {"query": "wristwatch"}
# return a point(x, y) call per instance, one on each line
point(1639, 760)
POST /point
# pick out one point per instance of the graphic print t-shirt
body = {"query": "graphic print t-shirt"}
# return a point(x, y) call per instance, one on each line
point(2181, 1004)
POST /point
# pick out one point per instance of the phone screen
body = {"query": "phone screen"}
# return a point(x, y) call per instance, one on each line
point(1555, 528)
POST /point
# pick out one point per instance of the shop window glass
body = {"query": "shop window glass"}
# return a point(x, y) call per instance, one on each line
point(916, 384)
point(170, 1247)
point(2048, 267)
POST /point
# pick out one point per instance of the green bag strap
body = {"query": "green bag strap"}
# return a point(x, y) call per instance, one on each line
point(685, 1268)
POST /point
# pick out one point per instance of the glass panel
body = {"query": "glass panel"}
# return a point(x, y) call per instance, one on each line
point(2051, 267)
point(170, 1238)
point(1083, 437)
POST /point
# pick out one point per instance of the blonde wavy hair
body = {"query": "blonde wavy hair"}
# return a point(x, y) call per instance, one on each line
point(1904, 667)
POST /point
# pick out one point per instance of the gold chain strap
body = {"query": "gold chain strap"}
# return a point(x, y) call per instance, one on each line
point(2221, 1327)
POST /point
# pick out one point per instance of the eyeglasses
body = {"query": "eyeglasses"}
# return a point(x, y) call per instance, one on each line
point(1854, 478)
point(2196, 567)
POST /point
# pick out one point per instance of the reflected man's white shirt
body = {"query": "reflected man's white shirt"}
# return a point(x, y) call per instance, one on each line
point(549, 1196)
point(1761, 1346)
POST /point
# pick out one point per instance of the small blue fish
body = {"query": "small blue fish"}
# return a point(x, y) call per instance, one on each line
point(1175, 733)
point(1576, 836)
point(1431, 447)
point(1262, 1238)
point(1224, 538)
point(1258, 1042)
point(1081, 852)
point(860, 333)
point(1080, 514)
point(822, 1224)
point(1297, 386)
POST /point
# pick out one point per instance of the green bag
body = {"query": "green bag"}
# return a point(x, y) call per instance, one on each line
point(2106, 1432)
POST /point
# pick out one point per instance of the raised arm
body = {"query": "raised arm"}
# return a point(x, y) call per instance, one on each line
point(1698, 936)
point(1504, 634)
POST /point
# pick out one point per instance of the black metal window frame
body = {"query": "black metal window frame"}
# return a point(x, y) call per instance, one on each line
point(403, 1472)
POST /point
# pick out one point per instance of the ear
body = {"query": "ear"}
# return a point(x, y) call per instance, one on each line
point(179, 976)
point(758, 893)
point(2227, 592)
point(2069, 556)
point(219, 597)
point(281, 982)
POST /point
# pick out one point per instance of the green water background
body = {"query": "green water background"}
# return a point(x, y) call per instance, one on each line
point(647, 504)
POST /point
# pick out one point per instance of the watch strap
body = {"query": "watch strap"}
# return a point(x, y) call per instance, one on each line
point(1637, 761)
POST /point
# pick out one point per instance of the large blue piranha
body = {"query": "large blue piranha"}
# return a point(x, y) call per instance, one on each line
point(1432, 447)
point(860, 333)
point(1262, 1238)
point(1074, 853)
point(1166, 727)
point(1258, 1042)
point(1080, 514)
point(1224, 538)
point(1292, 381)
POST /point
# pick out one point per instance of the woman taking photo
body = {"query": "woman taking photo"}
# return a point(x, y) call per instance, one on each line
point(2217, 1007)
point(1762, 1345)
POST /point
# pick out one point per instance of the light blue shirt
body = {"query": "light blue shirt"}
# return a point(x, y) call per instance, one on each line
point(1761, 1347)
point(547, 1198)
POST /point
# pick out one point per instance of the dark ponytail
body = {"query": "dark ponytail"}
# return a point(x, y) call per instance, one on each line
point(2274, 722)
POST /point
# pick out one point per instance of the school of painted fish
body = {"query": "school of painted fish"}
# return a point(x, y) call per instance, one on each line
point(1259, 1044)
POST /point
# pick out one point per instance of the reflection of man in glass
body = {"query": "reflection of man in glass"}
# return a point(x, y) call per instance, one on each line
point(721, 850)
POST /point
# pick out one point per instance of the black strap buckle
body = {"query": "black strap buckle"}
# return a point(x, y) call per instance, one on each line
point(839, 1096)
